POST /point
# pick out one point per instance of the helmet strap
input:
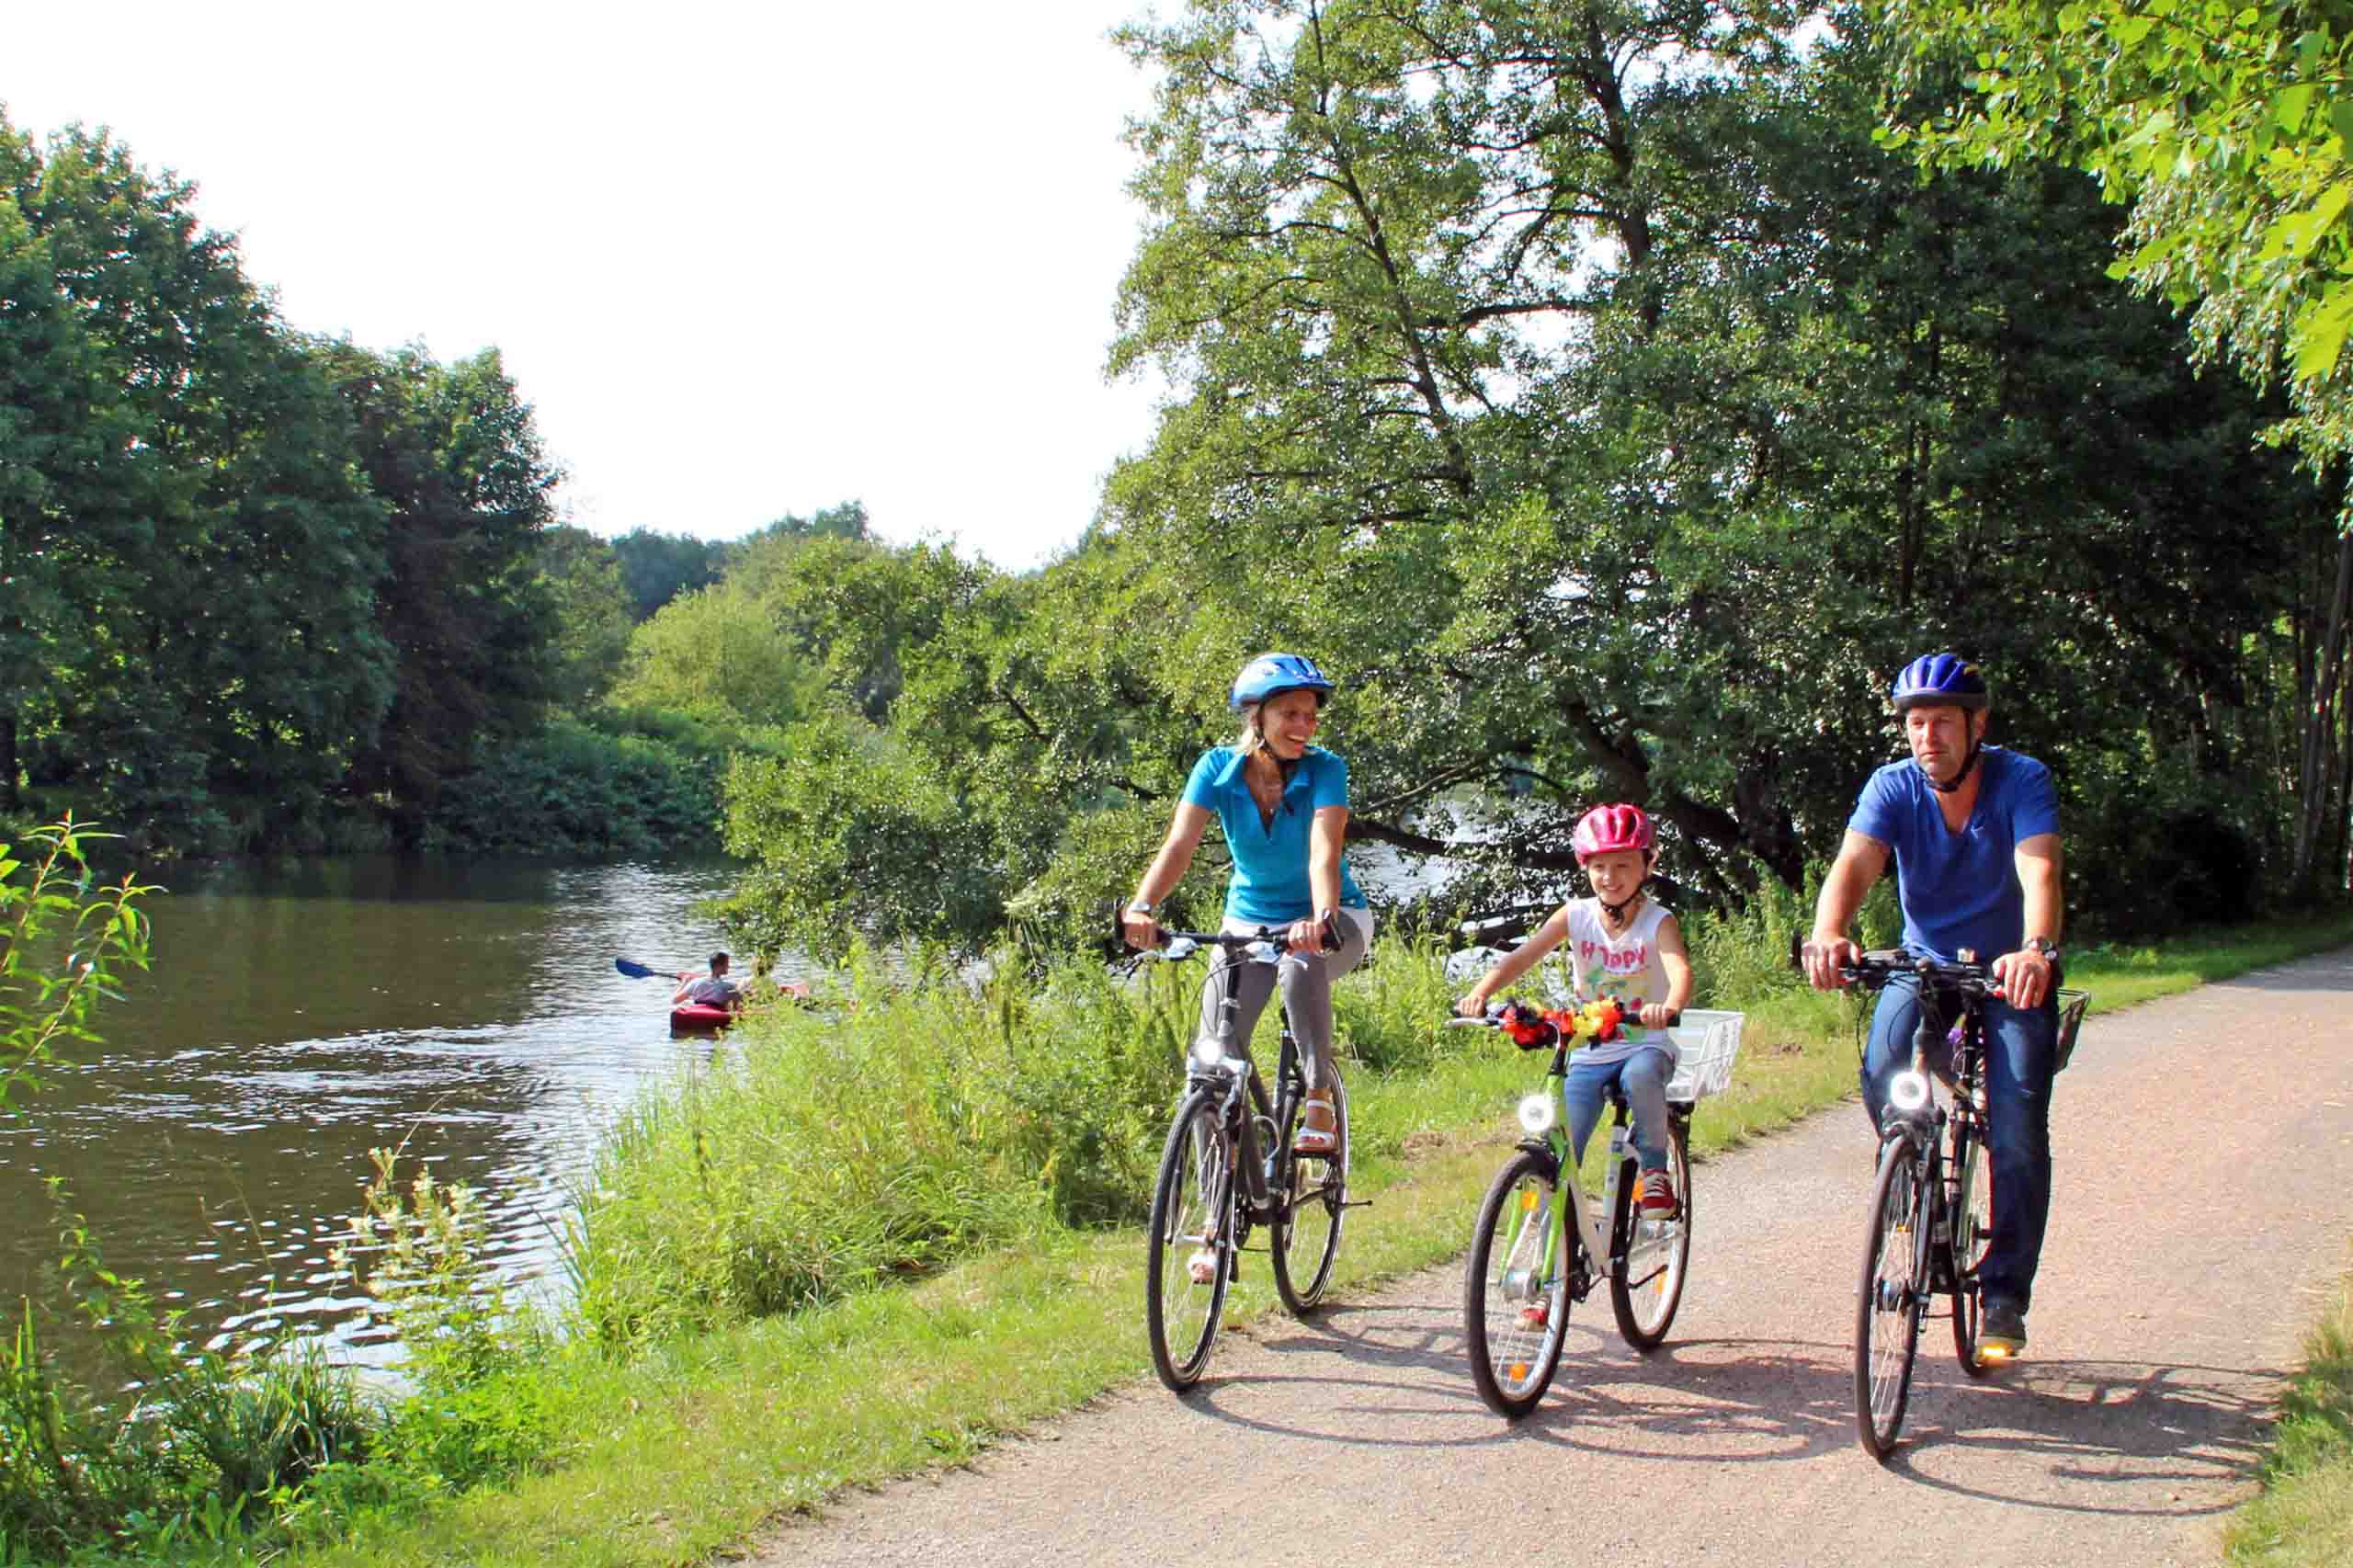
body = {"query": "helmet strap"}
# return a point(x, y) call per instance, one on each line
point(1959, 778)
point(1617, 912)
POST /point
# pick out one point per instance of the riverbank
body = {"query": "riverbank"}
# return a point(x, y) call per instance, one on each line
point(693, 1449)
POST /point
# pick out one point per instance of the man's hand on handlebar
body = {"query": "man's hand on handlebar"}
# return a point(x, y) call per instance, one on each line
point(1826, 960)
point(1141, 931)
point(2024, 978)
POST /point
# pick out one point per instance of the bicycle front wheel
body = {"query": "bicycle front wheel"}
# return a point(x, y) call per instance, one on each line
point(1650, 1254)
point(1306, 1241)
point(1189, 1262)
point(1972, 1230)
point(1515, 1287)
point(1889, 1306)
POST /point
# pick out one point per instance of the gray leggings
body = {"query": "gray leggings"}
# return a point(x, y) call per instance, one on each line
point(1237, 988)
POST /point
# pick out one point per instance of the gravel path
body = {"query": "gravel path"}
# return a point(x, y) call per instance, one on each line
point(2205, 1160)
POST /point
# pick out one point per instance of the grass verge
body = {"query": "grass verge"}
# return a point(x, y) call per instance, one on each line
point(690, 1450)
point(2304, 1516)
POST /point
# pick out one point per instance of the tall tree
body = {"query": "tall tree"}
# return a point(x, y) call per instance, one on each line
point(453, 453)
point(189, 551)
point(2227, 130)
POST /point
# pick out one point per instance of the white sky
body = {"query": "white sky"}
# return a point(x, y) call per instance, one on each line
point(743, 260)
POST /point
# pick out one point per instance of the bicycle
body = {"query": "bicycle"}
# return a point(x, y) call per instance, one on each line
point(1932, 1198)
point(1527, 1267)
point(1227, 1137)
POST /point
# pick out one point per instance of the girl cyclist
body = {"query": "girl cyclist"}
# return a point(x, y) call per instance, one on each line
point(1283, 805)
point(1623, 945)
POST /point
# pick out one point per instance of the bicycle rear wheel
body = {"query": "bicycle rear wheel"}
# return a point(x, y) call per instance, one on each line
point(1973, 1229)
point(1306, 1242)
point(1894, 1294)
point(1189, 1262)
point(1646, 1287)
point(1515, 1287)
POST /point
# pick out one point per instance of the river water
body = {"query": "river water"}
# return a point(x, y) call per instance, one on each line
point(295, 1019)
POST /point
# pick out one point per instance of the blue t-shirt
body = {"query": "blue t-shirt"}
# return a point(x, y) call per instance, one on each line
point(1269, 882)
point(1959, 890)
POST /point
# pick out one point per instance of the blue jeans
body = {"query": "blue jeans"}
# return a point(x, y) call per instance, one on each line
point(1643, 1077)
point(2021, 1048)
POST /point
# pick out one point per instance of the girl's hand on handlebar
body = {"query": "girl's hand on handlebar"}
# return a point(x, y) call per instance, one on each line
point(1471, 1006)
point(1656, 1015)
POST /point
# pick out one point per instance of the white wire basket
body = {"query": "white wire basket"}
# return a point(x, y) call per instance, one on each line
point(1705, 1043)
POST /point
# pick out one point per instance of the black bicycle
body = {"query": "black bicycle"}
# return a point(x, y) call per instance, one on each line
point(1228, 1165)
point(1932, 1200)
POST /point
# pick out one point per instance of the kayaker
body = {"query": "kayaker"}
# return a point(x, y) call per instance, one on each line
point(713, 990)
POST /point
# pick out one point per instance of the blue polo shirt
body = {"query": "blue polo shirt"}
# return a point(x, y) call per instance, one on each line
point(1269, 882)
point(1959, 890)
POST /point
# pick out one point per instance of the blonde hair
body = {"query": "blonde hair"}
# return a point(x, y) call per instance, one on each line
point(1253, 739)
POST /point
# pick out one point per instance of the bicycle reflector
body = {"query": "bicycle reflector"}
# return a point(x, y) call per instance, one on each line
point(1538, 1113)
point(1909, 1091)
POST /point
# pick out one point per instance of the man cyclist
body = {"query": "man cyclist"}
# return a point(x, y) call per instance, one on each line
point(1973, 831)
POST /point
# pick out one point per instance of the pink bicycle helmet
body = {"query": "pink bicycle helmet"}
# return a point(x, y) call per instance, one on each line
point(1606, 828)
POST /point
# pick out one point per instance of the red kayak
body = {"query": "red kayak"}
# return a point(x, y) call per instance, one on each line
point(703, 1016)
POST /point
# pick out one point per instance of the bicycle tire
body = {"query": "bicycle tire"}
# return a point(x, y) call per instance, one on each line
point(1192, 1210)
point(1650, 1258)
point(1971, 1220)
point(1306, 1241)
point(1888, 1305)
point(1519, 1265)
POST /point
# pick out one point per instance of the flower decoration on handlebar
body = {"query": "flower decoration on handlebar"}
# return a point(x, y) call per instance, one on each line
point(1532, 1029)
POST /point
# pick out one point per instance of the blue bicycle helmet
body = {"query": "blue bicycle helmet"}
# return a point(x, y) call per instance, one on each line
point(1269, 674)
point(1939, 680)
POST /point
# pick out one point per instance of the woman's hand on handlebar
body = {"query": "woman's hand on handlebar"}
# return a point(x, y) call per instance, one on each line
point(1141, 930)
point(1309, 936)
point(1826, 959)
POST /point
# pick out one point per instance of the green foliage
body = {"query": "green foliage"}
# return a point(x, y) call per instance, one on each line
point(2222, 125)
point(658, 567)
point(853, 831)
point(189, 553)
point(592, 614)
point(719, 653)
point(63, 941)
point(630, 782)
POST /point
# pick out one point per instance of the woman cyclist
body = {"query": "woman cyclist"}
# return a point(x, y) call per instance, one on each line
point(1283, 805)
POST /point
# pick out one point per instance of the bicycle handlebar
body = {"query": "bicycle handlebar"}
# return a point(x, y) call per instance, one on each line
point(1162, 938)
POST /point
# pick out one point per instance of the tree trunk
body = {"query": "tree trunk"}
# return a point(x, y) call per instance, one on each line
point(2313, 778)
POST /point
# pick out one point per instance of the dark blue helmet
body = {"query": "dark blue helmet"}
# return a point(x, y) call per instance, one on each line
point(1270, 673)
point(1939, 680)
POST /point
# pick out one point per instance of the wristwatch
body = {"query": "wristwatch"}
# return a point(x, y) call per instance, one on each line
point(1139, 907)
point(2045, 946)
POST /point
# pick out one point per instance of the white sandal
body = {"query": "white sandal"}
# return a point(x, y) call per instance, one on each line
point(1314, 1140)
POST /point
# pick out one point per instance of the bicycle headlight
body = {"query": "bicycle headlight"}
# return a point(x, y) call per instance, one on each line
point(1208, 1054)
point(1538, 1113)
point(1909, 1091)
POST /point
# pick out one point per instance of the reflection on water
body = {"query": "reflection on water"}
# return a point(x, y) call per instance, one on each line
point(218, 1140)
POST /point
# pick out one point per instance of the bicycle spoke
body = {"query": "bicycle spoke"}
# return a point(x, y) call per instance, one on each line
point(1645, 1293)
point(1307, 1242)
point(1887, 1317)
point(1514, 1287)
point(1189, 1263)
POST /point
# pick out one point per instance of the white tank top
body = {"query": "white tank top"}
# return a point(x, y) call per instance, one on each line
point(1624, 965)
